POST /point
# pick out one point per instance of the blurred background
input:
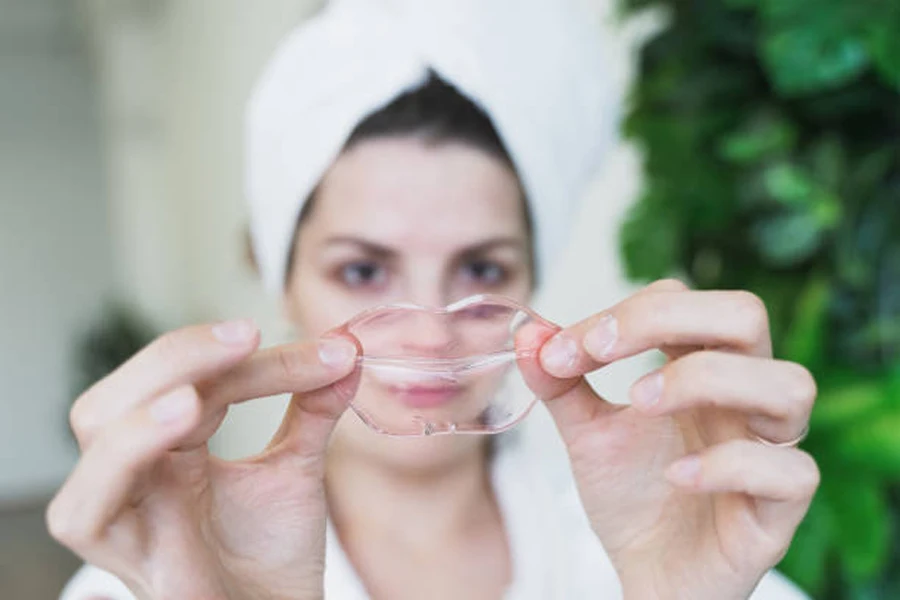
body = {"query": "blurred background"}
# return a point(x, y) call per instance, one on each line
point(759, 149)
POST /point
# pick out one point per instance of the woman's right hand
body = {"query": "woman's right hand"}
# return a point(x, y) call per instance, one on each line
point(149, 504)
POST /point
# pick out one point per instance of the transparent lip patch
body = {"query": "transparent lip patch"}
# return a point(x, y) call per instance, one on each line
point(432, 371)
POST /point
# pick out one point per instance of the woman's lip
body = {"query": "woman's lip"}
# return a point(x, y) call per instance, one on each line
point(421, 396)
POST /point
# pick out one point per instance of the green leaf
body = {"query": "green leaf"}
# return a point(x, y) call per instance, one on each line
point(649, 240)
point(827, 209)
point(803, 59)
point(871, 172)
point(628, 7)
point(765, 135)
point(779, 292)
point(892, 386)
point(862, 525)
point(845, 399)
point(807, 558)
point(872, 445)
point(884, 45)
point(805, 339)
point(787, 239)
point(867, 590)
point(788, 184)
point(793, 187)
point(741, 3)
point(829, 162)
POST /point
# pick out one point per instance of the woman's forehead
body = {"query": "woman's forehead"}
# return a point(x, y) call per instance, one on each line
point(407, 188)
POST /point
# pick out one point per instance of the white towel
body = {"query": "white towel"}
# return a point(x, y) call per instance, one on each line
point(535, 67)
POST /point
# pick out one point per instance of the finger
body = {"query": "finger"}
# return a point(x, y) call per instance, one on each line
point(309, 421)
point(529, 340)
point(291, 368)
point(571, 402)
point(784, 480)
point(102, 482)
point(174, 359)
point(660, 320)
point(777, 395)
point(665, 285)
point(566, 357)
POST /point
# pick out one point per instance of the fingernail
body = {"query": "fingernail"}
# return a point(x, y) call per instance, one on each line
point(235, 332)
point(559, 355)
point(336, 352)
point(647, 391)
point(600, 341)
point(684, 471)
point(172, 407)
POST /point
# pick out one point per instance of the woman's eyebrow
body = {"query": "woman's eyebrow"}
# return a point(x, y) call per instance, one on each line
point(493, 244)
point(377, 250)
point(366, 246)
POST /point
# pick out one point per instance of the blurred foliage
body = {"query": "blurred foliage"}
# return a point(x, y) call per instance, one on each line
point(771, 136)
point(106, 344)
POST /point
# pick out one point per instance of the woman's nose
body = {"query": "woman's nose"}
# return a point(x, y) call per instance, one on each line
point(429, 292)
point(431, 335)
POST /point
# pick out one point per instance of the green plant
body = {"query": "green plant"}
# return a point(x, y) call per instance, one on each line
point(771, 136)
point(107, 343)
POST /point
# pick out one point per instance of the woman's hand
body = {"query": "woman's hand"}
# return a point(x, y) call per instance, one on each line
point(687, 500)
point(148, 503)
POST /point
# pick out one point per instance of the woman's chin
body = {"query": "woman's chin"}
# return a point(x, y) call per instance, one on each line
point(420, 454)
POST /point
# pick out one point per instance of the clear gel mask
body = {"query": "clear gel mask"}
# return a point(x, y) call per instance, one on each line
point(430, 371)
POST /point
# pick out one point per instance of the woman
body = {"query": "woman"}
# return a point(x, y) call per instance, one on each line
point(372, 179)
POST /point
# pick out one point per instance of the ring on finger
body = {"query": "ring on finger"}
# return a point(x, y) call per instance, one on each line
point(793, 443)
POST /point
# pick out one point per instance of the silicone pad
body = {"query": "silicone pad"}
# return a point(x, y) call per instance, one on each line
point(427, 371)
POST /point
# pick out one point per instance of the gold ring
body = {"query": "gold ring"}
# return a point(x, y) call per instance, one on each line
point(788, 444)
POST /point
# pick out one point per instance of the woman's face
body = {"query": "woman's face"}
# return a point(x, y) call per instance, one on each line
point(403, 220)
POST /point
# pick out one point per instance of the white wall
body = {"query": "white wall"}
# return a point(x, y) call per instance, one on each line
point(54, 256)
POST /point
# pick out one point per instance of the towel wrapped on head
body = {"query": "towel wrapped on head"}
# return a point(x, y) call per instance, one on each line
point(534, 66)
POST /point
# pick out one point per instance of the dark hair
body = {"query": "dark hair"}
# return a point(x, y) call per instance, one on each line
point(437, 113)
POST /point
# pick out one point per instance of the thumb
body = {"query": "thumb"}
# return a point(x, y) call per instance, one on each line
point(312, 415)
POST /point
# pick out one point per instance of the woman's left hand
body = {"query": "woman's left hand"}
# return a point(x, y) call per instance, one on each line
point(683, 492)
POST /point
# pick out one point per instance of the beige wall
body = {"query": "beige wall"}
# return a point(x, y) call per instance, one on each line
point(54, 257)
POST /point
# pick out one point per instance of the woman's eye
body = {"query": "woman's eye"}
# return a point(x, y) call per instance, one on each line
point(363, 274)
point(485, 272)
